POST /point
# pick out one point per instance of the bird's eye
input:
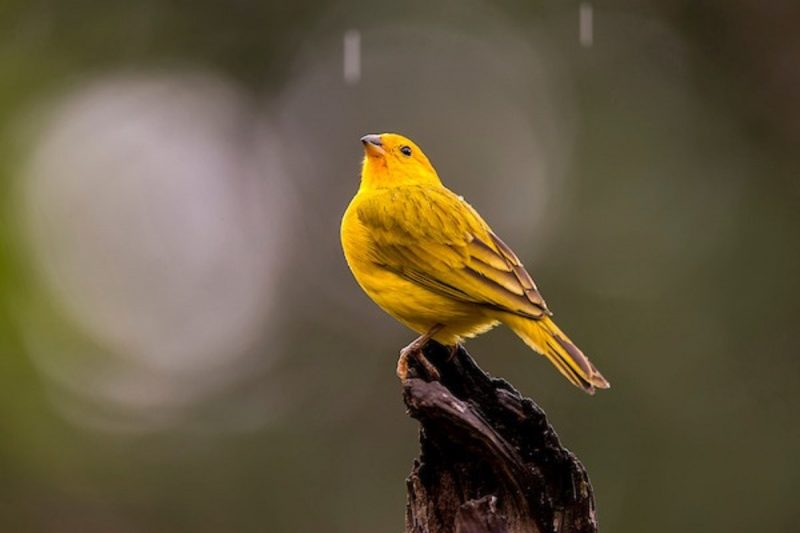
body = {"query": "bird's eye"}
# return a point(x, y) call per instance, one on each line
point(406, 151)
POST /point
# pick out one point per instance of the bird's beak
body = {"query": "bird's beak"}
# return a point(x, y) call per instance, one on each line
point(373, 146)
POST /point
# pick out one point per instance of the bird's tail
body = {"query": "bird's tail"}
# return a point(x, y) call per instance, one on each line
point(545, 337)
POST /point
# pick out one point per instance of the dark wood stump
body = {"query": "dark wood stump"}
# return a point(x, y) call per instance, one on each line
point(489, 460)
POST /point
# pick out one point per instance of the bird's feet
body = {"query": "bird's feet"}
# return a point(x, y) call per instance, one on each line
point(415, 350)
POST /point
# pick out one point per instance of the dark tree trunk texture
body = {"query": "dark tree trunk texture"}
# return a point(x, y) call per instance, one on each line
point(489, 460)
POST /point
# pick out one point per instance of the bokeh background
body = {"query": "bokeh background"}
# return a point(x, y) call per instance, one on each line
point(184, 349)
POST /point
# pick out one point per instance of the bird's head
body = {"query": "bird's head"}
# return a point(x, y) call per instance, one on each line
point(391, 160)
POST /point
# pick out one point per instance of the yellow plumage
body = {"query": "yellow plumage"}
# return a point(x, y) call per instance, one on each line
point(428, 259)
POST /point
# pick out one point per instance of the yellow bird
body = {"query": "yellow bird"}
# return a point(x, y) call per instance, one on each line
point(428, 259)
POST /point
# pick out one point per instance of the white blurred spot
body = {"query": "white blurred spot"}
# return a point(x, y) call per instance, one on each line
point(156, 227)
point(352, 57)
point(586, 24)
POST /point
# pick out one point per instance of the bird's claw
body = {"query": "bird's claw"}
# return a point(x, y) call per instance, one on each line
point(453, 351)
point(415, 351)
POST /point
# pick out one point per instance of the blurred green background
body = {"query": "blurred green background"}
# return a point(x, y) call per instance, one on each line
point(184, 349)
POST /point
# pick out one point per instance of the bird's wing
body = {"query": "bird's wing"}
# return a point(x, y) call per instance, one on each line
point(434, 238)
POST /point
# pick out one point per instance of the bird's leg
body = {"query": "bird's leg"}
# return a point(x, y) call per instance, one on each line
point(415, 349)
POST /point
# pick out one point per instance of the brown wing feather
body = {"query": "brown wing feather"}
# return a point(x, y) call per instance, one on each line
point(531, 291)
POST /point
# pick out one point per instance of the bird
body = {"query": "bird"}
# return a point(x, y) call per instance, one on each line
point(429, 260)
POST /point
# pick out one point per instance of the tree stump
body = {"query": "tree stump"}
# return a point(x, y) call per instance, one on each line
point(489, 460)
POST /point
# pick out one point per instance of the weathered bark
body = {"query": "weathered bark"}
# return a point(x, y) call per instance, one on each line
point(489, 461)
